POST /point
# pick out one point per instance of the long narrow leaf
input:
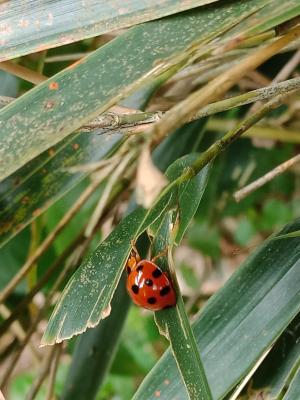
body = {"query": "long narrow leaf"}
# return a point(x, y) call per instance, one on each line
point(31, 26)
point(30, 191)
point(240, 322)
point(50, 112)
point(293, 392)
point(174, 324)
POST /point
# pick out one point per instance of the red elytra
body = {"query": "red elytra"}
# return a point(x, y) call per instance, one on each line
point(148, 285)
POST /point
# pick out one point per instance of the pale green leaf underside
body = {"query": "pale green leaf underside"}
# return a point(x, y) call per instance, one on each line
point(31, 25)
point(240, 322)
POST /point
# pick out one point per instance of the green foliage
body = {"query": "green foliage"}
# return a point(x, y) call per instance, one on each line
point(240, 322)
point(69, 134)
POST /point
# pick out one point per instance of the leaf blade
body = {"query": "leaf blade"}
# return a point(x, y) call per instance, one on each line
point(62, 22)
point(232, 320)
point(45, 116)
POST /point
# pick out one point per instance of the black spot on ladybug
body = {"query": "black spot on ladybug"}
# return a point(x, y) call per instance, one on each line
point(165, 290)
point(128, 270)
point(151, 300)
point(135, 289)
point(156, 273)
point(140, 268)
point(148, 282)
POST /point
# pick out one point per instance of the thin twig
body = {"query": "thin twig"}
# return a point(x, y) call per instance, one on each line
point(14, 359)
point(220, 145)
point(283, 74)
point(259, 131)
point(80, 239)
point(18, 331)
point(45, 368)
point(106, 193)
point(22, 72)
point(53, 370)
point(42, 281)
point(288, 68)
point(186, 109)
point(121, 118)
point(53, 234)
point(245, 191)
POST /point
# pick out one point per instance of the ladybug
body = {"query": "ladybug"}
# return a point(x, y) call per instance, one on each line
point(148, 285)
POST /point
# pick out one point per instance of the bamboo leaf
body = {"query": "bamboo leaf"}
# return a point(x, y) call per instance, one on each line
point(30, 191)
point(86, 375)
point(50, 112)
point(30, 26)
point(174, 324)
point(189, 193)
point(240, 322)
point(94, 283)
point(94, 351)
point(276, 372)
point(293, 392)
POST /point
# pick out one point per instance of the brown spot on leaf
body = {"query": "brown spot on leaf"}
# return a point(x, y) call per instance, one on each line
point(157, 393)
point(75, 146)
point(51, 152)
point(166, 382)
point(53, 86)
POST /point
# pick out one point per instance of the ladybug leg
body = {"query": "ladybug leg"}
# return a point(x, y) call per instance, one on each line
point(161, 254)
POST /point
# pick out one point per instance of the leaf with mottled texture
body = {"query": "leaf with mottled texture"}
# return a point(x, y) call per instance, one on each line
point(29, 192)
point(29, 26)
point(54, 109)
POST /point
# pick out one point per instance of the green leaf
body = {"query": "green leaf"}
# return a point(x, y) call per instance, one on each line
point(30, 26)
point(31, 190)
point(42, 117)
point(174, 324)
point(240, 322)
point(287, 235)
point(94, 350)
point(87, 297)
point(273, 14)
point(274, 375)
point(104, 266)
point(293, 392)
point(189, 193)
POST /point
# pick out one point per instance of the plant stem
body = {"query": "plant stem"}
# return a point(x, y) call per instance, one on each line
point(43, 374)
point(265, 132)
point(245, 191)
point(220, 145)
point(120, 118)
point(22, 72)
point(186, 109)
point(53, 371)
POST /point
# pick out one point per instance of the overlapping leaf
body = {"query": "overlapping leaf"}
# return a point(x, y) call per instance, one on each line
point(28, 192)
point(54, 109)
point(240, 322)
point(86, 299)
point(31, 26)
